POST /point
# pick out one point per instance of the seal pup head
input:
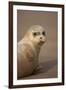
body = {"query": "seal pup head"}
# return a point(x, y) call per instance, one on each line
point(36, 34)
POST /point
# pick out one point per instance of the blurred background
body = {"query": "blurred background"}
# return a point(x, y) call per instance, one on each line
point(48, 54)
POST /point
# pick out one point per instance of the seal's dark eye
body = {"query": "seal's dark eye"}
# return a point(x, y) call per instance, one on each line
point(43, 33)
point(34, 33)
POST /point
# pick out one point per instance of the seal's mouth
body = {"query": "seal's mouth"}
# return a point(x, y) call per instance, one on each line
point(41, 42)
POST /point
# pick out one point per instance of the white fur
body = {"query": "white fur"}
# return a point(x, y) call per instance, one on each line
point(28, 51)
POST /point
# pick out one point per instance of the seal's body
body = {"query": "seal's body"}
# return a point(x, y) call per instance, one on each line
point(28, 50)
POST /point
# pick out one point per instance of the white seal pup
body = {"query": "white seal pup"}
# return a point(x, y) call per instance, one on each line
point(28, 50)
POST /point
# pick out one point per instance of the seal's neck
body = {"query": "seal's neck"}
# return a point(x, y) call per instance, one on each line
point(33, 45)
point(37, 47)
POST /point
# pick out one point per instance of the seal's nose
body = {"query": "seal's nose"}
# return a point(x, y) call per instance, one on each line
point(40, 37)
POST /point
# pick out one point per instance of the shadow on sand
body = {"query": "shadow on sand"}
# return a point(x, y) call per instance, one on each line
point(45, 66)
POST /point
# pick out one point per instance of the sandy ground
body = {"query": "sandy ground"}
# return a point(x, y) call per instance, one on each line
point(48, 69)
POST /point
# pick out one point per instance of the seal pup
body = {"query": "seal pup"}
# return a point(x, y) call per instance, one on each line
point(28, 50)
